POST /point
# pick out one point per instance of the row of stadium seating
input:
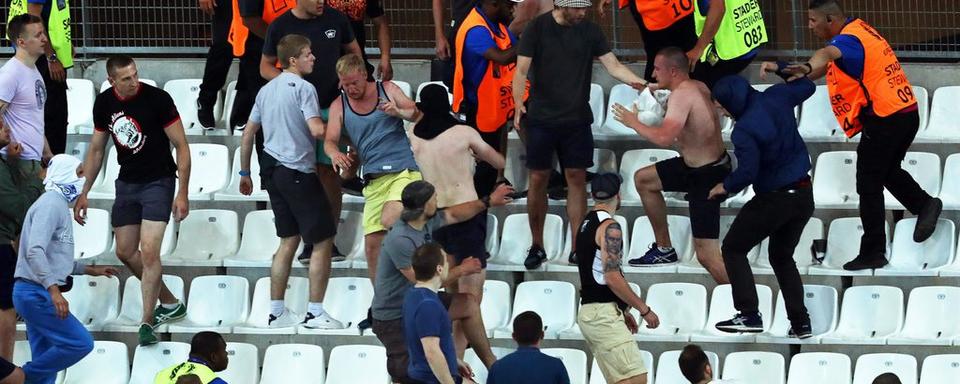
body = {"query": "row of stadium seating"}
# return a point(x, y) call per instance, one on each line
point(868, 315)
point(285, 363)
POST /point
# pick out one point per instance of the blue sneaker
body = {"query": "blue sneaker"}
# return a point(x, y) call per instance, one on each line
point(655, 257)
point(751, 323)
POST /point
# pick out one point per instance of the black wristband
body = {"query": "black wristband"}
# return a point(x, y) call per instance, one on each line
point(809, 67)
point(486, 201)
point(648, 311)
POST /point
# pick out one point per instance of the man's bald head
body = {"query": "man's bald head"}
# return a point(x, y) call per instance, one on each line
point(674, 57)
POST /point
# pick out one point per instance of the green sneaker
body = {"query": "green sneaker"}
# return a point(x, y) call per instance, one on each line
point(146, 335)
point(162, 315)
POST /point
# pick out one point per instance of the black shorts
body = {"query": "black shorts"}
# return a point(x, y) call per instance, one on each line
point(8, 266)
point(300, 206)
point(676, 176)
point(136, 202)
point(466, 239)
point(390, 334)
point(6, 368)
point(571, 142)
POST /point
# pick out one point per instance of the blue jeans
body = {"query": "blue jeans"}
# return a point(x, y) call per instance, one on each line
point(55, 343)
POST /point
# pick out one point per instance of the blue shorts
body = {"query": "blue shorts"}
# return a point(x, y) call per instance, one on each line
point(136, 202)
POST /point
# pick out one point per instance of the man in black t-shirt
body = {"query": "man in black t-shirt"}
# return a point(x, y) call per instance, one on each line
point(557, 50)
point(143, 122)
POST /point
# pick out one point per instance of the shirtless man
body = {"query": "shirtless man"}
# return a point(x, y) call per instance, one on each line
point(526, 11)
point(445, 151)
point(692, 123)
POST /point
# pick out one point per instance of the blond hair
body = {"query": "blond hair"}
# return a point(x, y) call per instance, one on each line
point(350, 63)
point(289, 47)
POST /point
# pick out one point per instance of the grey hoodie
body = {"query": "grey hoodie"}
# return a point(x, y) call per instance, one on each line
point(46, 243)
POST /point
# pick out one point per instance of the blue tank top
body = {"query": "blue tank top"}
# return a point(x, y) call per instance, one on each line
point(380, 139)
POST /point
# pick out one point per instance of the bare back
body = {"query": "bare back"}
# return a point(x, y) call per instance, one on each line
point(447, 162)
point(700, 141)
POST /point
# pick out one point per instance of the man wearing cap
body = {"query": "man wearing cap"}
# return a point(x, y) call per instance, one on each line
point(446, 151)
point(772, 157)
point(395, 276)
point(557, 50)
point(605, 296)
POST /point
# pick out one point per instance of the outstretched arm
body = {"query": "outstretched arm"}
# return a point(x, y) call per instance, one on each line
point(621, 72)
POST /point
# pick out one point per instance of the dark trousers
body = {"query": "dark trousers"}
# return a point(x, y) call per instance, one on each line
point(219, 57)
point(485, 176)
point(249, 82)
point(780, 215)
point(681, 34)
point(883, 143)
point(55, 109)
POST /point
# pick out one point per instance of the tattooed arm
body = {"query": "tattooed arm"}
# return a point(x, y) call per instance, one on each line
point(611, 253)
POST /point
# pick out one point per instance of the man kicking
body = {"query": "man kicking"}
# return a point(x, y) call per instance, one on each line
point(692, 123)
point(144, 122)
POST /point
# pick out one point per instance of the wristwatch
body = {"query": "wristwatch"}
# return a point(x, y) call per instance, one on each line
point(53, 58)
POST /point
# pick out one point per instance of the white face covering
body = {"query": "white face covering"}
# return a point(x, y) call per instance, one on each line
point(62, 177)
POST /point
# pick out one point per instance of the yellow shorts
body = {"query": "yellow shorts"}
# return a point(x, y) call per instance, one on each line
point(378, 192)
point(613, 347)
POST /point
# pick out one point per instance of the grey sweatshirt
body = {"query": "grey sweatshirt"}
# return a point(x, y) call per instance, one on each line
point(46, 243)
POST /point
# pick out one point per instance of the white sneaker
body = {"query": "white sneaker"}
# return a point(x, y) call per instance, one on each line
point(321, 321)
point(286, 319)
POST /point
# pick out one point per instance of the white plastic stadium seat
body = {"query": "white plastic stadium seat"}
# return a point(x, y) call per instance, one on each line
point(871, 365)
point(295, 299)
point(563, 265)
point(184, 93)
point(835, 185)
point(596, 106)
point(131, 307)
point(516, 167)
point(819, 367)
point(79, 150)
point(493, 234)
point(358, 364)
point(943, 125)
point(624, 95)
point(692, 265)
point(952, 270)
point(631, 162)
point(21, 353)
point(93, 238)
point(681, 307)
point(231, 192)
point(104, 187)
point(244, 364)
point(950, 188)
point(554, 301)
point(207, 236)
point(680, 235)
point(349, 238)
point(909, 258)
point(843, 245)
point(821, 302)
point(596, 376)
point(105, 85)
point(149, 360)
point(217, 303)
point(517, 240)
point(801, 254)
point(80, 97)
point(574, 360)
point(925, 169)
point(106, 356)
point(721, 309)
point(479, 370)
point(287, 363)
point(209, 165)
point(940, 369)
point(668, 367)
point(817, 122)
point(760, 367)
point(404, 86)
point(604, 160)
point(495, 306)
point(440, 83)
point(931, 317)
point(347, 300)
point(94, 300)
point(258, 243)
point(869, 315)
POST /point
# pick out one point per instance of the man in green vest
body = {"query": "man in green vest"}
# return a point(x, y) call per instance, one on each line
point(208, 355)
point(52, 65)
point(730, 33)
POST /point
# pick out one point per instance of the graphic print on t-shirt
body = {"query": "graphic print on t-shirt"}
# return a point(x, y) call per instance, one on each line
point(40, 91)
point(126, 132)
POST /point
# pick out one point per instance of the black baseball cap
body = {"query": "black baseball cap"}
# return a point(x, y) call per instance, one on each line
point(414, 198)
point(605, 186)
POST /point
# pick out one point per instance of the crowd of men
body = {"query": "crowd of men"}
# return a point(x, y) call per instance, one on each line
point(318, 113)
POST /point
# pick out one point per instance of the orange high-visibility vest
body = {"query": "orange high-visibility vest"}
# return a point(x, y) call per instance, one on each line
point(660, 14)
point(495, 92)
point(884, 87)
point(239, 32)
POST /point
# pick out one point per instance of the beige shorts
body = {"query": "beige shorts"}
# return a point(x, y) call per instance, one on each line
point(613, 347)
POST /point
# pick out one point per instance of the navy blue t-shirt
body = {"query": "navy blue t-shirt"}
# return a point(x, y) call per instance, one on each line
point(530, 365)
point(423, 316)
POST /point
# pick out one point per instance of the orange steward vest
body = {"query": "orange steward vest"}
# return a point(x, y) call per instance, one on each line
point(495, 92)
point(884, 87)
point(239, 32)
point(660, 14)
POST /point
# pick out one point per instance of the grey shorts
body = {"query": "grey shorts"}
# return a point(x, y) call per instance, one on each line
point(136, 202)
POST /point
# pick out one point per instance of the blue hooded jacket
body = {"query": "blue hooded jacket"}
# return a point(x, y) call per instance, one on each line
point(770, 152)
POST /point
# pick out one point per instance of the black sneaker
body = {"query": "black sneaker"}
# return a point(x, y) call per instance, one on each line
point(927, 220)
point(366, 323)
point(304, 256)
point(353, 186)
point(557, 193)
point(866, 262)
point(535, 256)
point(800, 332)
point(205, 117)
point(572, 259)
point(740, 323)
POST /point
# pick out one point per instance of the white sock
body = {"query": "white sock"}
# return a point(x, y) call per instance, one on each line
point(315, 308)
point(276, 307)
point(664, 249)
point(169, 306)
